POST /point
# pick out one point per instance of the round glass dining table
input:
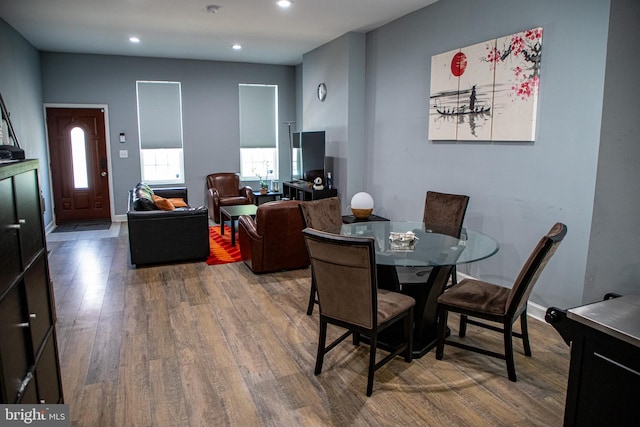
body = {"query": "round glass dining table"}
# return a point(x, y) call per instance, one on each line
point(436, 247)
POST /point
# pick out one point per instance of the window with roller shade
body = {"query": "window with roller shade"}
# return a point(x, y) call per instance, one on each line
point(258, 132)
point(160, 132)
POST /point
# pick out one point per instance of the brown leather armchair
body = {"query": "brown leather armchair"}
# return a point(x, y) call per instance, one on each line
point(273, 241)
point(223, 189)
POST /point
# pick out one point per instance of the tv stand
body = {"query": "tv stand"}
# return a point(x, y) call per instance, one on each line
point(302, 190)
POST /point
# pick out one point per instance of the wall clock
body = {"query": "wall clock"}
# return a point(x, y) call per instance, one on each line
point(322, 91)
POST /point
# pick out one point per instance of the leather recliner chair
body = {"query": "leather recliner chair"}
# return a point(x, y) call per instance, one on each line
point(223, 189)
point(273, 241)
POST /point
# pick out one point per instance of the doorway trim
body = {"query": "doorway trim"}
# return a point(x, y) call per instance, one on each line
point(104, 107)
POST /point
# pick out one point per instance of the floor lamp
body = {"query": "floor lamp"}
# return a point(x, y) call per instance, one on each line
point(289, 123)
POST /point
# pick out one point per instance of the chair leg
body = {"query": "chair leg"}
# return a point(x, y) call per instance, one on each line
point(312, 297)
point(454, 276)
point(322, 339)
point(525, 333)
point(508, 350)
point(408, 336)
point(356, 338)
point(442, 326)
point(372, 363)
point(463, 325)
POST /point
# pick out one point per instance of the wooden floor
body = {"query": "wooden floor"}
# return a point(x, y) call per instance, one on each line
point(198, 345)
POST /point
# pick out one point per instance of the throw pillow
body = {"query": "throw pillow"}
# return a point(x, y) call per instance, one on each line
point(142, 198)
point(178, 202)
point(145, 186)
point(162, 203)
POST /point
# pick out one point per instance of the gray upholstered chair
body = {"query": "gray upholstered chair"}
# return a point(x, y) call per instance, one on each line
point(344, 268)
point(444, 214)
point(444, 211)
point(495, 303)
point(322, 214)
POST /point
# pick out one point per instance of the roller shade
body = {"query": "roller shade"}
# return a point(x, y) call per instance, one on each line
point(258, 116)
point(159, 114)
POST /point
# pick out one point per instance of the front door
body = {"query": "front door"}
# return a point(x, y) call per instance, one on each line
point(78, 150)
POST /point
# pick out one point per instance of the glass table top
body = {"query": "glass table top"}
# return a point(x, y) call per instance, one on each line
point(432, 247)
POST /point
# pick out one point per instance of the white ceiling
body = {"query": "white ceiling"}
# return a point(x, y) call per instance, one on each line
point(184, 29)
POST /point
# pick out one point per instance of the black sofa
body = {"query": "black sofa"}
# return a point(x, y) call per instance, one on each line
point(158, 236)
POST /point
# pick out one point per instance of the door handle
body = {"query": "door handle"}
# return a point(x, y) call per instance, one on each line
point(103, 173)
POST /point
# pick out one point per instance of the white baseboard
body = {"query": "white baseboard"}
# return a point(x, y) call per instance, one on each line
point(461, 276)
point(120, 218)
point(534, 310)
point(49, 228)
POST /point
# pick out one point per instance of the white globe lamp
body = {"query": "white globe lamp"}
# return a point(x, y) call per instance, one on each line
point(362, 205)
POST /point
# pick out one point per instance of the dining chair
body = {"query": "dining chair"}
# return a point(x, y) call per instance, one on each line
point(344, 268)
point(495, 303)
point(444, 214)
point(322, 214)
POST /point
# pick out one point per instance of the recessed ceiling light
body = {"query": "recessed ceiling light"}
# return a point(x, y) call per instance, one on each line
point(134, 39)
point(284, 3)
point(236, 47)
point(213, 8)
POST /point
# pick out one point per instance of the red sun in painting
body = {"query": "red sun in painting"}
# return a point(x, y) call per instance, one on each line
point(458, 64)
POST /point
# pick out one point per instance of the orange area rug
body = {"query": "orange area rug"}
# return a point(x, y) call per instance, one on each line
point(220, 249)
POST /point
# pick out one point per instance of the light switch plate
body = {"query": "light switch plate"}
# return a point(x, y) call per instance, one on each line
point(124, 154)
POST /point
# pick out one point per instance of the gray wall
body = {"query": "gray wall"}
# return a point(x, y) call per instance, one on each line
point(613, 263)
point(517, 190)
point(339, 64)
point(209, 102)
point(21, 90)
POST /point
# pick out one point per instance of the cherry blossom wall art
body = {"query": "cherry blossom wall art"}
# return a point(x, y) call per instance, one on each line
point(487, 91)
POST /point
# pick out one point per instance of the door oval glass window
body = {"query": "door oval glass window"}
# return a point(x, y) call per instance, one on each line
point(79, 156)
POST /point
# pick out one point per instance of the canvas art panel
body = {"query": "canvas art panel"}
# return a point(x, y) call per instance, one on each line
point(445, 98)
point(517, 71)
point(475, 99)
point(487, 91)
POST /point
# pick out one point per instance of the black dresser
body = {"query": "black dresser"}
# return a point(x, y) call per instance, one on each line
point(29, 363)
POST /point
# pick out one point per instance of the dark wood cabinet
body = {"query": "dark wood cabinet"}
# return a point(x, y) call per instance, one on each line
point(10, 258)
point(301, 190)
point(604, 375)
point(29, 362)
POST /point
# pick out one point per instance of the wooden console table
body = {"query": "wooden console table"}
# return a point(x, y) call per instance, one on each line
point(266, 197)
point(350, 219)
point(302, 190)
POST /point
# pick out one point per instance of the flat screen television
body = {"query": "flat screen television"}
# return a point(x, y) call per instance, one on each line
point(308, 155)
